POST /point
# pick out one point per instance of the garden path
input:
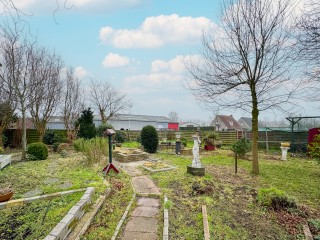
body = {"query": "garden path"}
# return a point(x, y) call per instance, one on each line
point(142, 223)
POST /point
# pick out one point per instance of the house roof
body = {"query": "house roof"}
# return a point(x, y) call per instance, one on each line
point(247, 120)
point(228, 121)
point(132, 117)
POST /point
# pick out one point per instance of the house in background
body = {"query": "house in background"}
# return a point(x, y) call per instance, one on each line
point(246, 123)
point(225, 123)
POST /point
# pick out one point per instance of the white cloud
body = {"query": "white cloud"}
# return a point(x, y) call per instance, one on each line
point(113, 60)
point(158, 31)
point(81, 73)
point(86, 6)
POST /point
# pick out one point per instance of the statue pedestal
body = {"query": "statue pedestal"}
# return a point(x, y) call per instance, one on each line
point(196, 171)
point(284, 151)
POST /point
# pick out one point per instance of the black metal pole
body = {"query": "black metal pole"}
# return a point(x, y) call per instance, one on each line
point(110, 149)
point(236, 163)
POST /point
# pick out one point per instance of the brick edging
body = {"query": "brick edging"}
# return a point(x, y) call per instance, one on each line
point(64, 227)
point(123, 217)
point(22, 201)
point(165, 221)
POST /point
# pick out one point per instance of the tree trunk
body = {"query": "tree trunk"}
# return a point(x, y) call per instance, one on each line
point(41, 131)
point(1, 133)
point(24, 135)
point(103, 117)
point(255, 138)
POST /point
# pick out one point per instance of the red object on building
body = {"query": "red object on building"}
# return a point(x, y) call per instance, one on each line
point(173, 126)
point(312, 133)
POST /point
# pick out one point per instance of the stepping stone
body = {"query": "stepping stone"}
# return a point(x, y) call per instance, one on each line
point(139, 236)
point(142, 224)
point(66, 185)
point(50, 180)
point(145, 212)
point(132, 171)
point(32, 193)
point(144, 185)
point(148, 202)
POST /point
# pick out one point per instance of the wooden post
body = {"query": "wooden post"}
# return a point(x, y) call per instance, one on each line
point(205, 223)
point(236, 163)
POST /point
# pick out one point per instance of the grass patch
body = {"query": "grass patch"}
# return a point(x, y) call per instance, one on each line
point(112, 210)
point(37, 219)
point(231, 199)
point(52, 175)
point(131, 144)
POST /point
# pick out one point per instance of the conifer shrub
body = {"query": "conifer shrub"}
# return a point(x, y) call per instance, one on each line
point(120, 136)
point(149, 139)
point(37, 151)
point(241, 147)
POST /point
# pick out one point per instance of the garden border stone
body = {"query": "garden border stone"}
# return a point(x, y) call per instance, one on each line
point(65, 226)
point(22, 201)
point(5, 160)
point(165, 221)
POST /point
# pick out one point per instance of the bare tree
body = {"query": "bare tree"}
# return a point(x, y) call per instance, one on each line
point(107, 100)
point(17, 52)
point(173, 116)
point(72, 103)
point(46, 73)
point(7, 108)
point(309, 37)
point(248, 64)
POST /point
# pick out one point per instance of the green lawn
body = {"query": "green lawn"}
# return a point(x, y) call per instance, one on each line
point(56, 174)
point(230, 199)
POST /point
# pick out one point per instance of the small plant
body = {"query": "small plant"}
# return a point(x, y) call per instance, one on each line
point(5, 190)
point(275, 198)
point(1, 150)
point(138, 138)
point(184, 141)
point(149, 139)
point(94, 149)
point(171, 135)
point(37, 151)
point(211, 138)
point(314, 148)
point(168, 204)
point(102, 128)
point(120, 136)
point(241, 147)
point(51, 137)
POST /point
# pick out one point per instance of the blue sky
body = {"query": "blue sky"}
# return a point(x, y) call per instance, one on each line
point(136, 45)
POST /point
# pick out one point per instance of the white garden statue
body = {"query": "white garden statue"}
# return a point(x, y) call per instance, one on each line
point(195, 150)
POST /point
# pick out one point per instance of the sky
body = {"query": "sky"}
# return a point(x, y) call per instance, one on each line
point(138, 46)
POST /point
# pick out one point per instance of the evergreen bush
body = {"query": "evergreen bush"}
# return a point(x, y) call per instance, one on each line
point(149, 139)
point(37, 151)
point(241, 147)
point(102, 128)
point(120, 136)
point(85, 124)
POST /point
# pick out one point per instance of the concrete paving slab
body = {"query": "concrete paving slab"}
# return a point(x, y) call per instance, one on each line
point(145, 212)
point(132, 171)
point(142, 224)
point(144, 185)
point(148, 202)
point(139, 236)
